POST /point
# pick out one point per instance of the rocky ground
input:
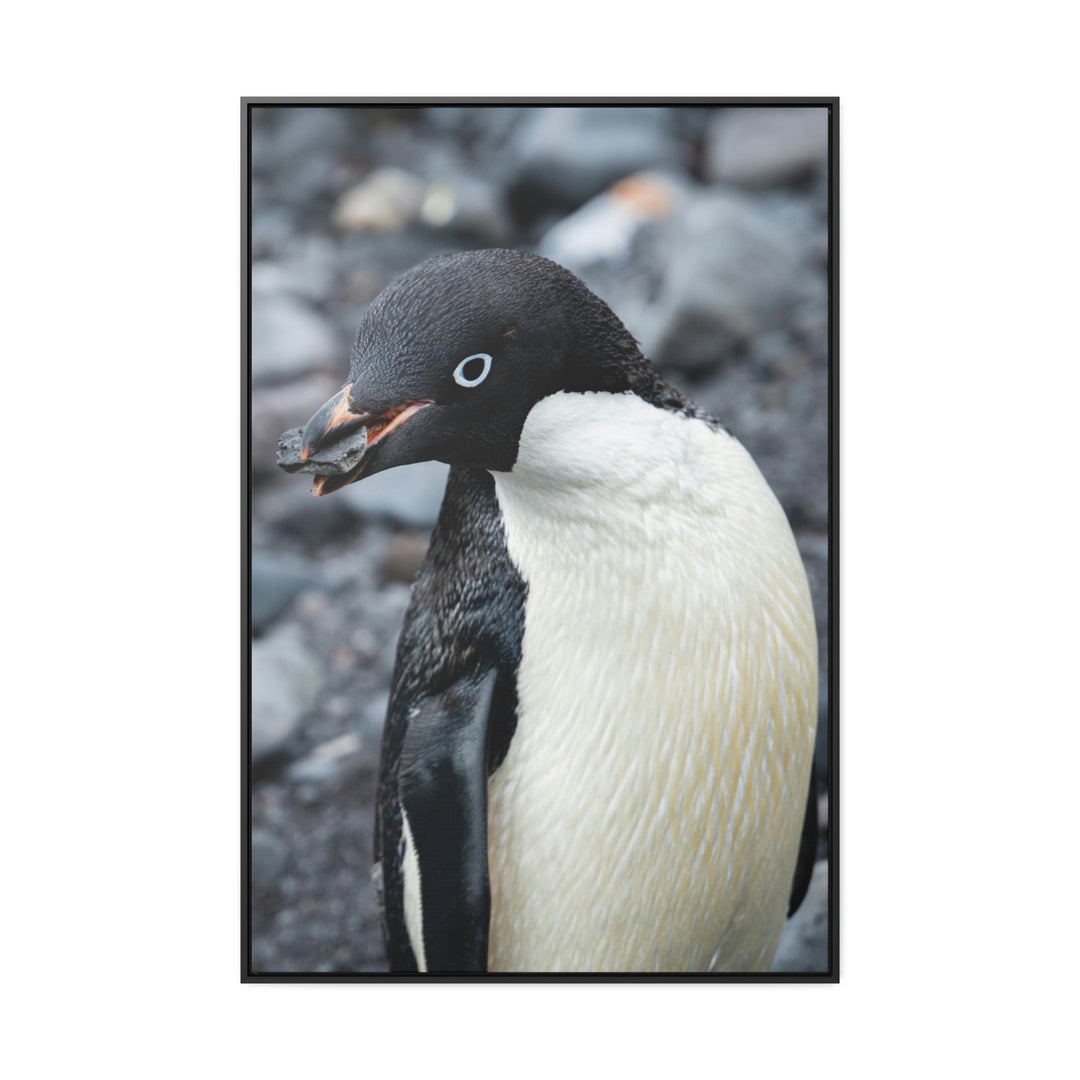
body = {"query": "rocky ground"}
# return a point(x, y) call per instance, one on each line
point(706, 231)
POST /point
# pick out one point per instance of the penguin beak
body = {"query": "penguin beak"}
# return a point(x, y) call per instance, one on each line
point(331, 423)
point(335, 444)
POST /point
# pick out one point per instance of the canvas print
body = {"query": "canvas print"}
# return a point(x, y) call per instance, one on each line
point(539, 540)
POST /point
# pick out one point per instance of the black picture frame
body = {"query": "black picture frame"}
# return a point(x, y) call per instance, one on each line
point(832, 975)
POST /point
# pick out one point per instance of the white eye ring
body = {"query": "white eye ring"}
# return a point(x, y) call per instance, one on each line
point(459, 371)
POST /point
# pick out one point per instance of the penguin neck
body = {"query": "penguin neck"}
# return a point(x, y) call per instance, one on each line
point(603, 355)
point(581, 454)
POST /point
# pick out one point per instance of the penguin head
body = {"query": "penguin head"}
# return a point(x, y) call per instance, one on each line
point(451, 357)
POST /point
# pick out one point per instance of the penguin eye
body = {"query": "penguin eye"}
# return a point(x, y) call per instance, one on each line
point(473, 370)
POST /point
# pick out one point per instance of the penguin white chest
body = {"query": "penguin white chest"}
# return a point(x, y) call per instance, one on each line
point(647, 815)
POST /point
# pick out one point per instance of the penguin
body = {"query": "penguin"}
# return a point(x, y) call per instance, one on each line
point(599, 742)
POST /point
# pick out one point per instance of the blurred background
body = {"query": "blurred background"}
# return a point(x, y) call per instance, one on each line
point(705, 229)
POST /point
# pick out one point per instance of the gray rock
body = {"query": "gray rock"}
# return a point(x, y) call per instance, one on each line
point(796, 213)
point(310, 180)
point(386, 610)
point(284, 681)
point(410, 495)
point(388, 652)
point(777, 354)
point(336, 459)
point(273, 409)
point(467, 205)
point(804, 944)
point(276, 580)
point(328, 762)
point(759, 147)
point(563, 156)
point(603, 231)
point(486, 128)
point(290, 338)
point(297, 151)
point(787, 435)
point(732, 273)
point(272, 228)
point(404, 556)
point(290, 134)
point(268, 857)
point(373, 713)
point(291, 509)
point(384, 202)
point(304, 264)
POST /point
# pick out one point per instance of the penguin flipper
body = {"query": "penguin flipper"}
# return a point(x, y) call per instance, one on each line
point(453, 700)
point(442, 790)
point(804, 865)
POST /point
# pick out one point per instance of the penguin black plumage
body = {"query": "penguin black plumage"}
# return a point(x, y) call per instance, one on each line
point(601, 726)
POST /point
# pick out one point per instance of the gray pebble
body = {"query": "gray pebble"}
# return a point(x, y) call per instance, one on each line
point(289, 337)
point(762, 146)
point(284, 681)
point(268, 857)
point(276, 580)
point(410, 495)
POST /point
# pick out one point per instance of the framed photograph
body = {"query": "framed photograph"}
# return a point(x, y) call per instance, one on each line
point(540, 530)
